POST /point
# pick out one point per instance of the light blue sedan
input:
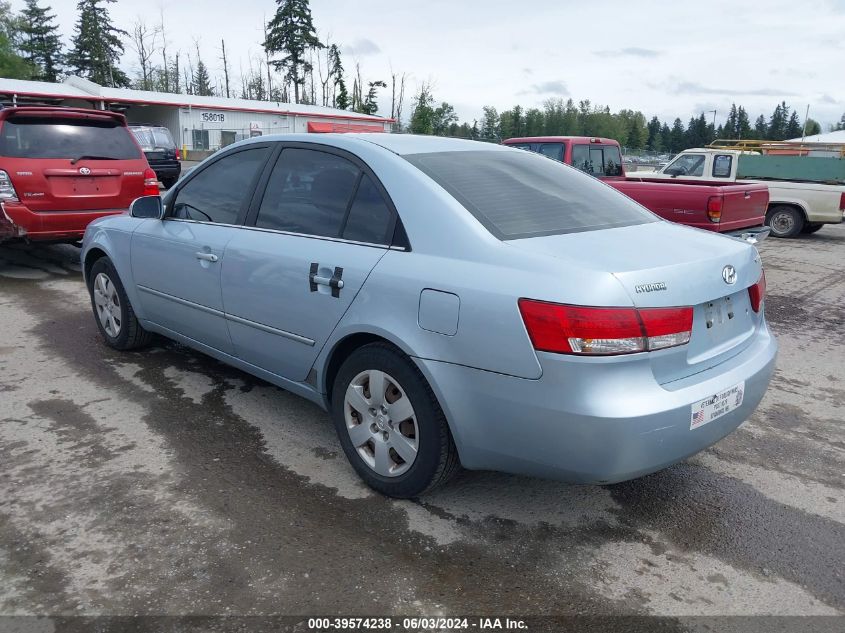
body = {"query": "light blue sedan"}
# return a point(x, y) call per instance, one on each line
point(448, 302)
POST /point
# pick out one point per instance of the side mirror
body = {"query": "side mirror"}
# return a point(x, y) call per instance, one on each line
point(147, 207)
point(673, 171)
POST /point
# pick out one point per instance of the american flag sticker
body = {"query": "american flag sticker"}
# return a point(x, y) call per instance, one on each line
point(713, 407)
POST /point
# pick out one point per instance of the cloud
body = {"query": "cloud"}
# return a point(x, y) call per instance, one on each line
point(826, 98)
point(361, 48)
point(694, 88)
point(557, 87)
point(631, 51)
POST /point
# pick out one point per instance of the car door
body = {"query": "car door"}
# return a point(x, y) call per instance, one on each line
point(322, 224)
point(176, 261)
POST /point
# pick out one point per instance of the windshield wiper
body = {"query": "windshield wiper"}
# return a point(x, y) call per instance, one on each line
point(90, 157)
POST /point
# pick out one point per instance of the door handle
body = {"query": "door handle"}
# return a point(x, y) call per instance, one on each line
point(209, 257)
point(334, 282)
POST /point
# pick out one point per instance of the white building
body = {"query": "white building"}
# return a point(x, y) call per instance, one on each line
point(197, 123)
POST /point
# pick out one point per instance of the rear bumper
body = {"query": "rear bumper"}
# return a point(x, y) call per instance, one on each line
point(752, 236)
point(18, 221)
point(166, 169)
point(592, 422)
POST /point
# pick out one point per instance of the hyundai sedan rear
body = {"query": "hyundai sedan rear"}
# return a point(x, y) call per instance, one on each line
point(449, 303)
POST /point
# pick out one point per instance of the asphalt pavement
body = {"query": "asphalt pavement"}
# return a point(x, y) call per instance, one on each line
point(163, 482)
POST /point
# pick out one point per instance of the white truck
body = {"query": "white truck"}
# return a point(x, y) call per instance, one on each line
point(801, 200)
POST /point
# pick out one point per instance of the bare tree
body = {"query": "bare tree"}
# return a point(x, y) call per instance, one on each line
point(225, 66)
point(165, 63)
point(143, 41)
point(397, 99)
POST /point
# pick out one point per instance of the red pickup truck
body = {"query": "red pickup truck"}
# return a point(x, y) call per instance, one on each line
point(722, 207)
point(60, 168)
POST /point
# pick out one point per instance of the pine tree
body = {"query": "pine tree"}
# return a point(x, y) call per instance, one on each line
point(370, 105)
point(340, 96)
point(731, 127)
point(422, 114)
point(653, 142)
point(677, 140)
point(40, 41)
point(743, 126)
point(12, 65)
point(841, 124)
point(761, 128)
point(291, 34)
point(665, 138)
point(777, 124)
point(202, 80)
point(793, 126)
point(97, 45)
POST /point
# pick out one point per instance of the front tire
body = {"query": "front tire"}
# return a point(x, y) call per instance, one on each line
point(785, 221)
point(167, 183)
point(113, 313)
point(390, 424)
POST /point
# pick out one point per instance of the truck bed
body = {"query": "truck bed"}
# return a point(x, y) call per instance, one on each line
point(731, 206)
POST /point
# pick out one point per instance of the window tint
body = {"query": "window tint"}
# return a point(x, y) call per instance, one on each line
point(722, 165)
point(552, 150)
point(309, 192)
point(217, 193)
point(517, 194)
point(40, 137)
point(153, 138)
point(370, 219)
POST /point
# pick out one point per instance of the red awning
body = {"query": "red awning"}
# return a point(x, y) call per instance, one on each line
point(325, 128)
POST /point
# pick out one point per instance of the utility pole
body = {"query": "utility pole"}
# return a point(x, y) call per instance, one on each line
point(804, 129)
point(225, 66)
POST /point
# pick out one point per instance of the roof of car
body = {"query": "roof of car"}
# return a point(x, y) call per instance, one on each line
point(559, 139)
point(402, 144)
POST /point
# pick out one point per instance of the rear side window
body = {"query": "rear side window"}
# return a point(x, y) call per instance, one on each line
point(722, 165)
point(41, 137)
point(317, 193)
point(552, 150)
point(518, 195)
point(370, 219)
point(217, 193)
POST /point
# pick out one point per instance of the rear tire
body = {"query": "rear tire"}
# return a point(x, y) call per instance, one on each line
point(785, 221)
point(812, 227)
point(368, 384)
point(167, 183)
point(113, 313)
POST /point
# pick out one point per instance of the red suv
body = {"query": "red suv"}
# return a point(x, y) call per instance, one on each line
point(61, 168)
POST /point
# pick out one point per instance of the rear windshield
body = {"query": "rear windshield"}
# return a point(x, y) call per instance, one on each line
point(520, 194)
point(38, 137)
point(153, 138)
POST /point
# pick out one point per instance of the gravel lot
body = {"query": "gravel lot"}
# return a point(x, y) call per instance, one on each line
point(162, 482)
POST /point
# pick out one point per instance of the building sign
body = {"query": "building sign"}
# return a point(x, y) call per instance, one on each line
point(213, 117)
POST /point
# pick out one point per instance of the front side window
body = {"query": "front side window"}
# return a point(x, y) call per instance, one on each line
point(518, 195)
point(218, 192)
point(41, 137)
point(686, 165)
point(722, 165)
point(316, 193)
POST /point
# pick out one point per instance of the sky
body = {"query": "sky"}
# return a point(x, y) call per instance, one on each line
point(670, 59)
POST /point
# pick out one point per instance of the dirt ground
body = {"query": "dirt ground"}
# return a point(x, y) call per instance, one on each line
point(164, 483)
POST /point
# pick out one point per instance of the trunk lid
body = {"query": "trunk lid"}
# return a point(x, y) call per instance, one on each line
point(665, 265)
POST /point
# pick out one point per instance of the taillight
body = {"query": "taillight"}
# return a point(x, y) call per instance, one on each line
point(7, 189)
point(714, 208)
point(566, 329)
point(757, 292)
point(150, 183)
point(842, 202)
